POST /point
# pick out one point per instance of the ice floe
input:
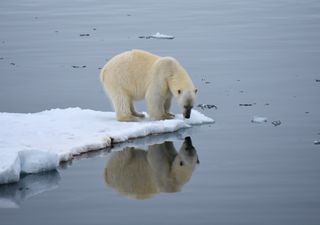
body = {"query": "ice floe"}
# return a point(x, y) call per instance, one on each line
point(35, 142)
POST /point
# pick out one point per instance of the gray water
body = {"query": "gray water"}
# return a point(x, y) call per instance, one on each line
point(265, 53)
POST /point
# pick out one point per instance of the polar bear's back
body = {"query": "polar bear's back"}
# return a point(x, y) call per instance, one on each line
point(129, 70)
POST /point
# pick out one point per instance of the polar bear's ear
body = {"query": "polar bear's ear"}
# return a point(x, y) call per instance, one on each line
point(195, 91)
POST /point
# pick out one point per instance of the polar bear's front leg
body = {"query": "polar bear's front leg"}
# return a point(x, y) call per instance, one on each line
point(156, 105)
point(167, 105)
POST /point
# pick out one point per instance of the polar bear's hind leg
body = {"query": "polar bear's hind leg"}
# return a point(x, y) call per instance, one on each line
point(122, 105)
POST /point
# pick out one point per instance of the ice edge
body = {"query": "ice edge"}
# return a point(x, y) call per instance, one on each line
point(25, 160)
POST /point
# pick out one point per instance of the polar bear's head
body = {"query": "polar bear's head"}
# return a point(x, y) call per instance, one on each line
point(185, 99)
point(181, 86)
point(185, 162)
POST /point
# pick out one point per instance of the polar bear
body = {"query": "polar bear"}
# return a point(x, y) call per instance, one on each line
point(136, 75)
point(141, 174)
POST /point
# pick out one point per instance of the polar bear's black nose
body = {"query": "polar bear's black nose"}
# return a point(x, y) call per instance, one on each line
point(188, 147)
point(188, 141)
point(187, 111)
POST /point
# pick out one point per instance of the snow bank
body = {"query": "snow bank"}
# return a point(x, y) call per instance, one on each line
point(35, 142)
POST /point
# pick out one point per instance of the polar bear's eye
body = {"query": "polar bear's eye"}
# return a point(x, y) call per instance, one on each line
point(195, 91)
point(179, 92)
point(181, 163)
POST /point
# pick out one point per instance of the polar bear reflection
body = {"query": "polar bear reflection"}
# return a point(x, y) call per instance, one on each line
point(140, 174)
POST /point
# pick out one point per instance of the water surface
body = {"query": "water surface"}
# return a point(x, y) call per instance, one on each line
point(265, 53)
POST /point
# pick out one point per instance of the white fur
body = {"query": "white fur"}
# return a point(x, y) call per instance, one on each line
point(140, 174)
point(136, 75)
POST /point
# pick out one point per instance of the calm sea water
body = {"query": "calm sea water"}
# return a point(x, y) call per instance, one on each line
point(264, 53)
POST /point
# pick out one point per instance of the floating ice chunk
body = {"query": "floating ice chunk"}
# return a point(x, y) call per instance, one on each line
point(9, 167)
point(316, 142)
point(258, 119)
point(34, 161)
point(39, 141)
point(157, 36)
point(161, 36)
point(245, 104)
point(276, 123)
point(207, 106)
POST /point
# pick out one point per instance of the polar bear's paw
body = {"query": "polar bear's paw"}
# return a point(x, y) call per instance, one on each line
point(127, 118)
point(169, 116)
point(137, 114)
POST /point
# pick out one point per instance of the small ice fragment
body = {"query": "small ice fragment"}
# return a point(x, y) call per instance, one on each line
point(316, 142)
point(276, 123)
point(207, 106)
point(258, 119)
point(245, 104)
point(76, 67)
point(161, 36)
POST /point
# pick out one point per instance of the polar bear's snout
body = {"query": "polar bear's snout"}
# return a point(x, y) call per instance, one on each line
point(188, 153)
point(188, 147)
point(186, 100)
point(187, 111)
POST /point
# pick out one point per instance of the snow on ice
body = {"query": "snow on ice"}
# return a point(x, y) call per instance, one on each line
point(35, 142)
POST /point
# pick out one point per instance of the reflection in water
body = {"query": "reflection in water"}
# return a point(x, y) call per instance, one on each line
point(141, 174)
point(11, 195)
